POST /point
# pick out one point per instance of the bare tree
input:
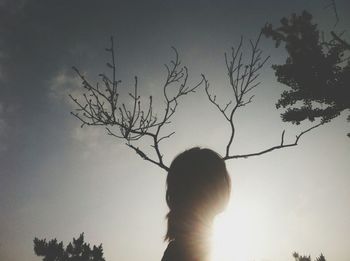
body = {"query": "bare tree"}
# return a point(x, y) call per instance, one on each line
point(101, 106)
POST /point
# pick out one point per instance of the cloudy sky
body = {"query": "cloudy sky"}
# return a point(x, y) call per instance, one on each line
point(58, 180)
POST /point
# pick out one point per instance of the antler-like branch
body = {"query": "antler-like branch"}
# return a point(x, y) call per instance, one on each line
point(243, 78)
point(101, 107)
point(281, 146)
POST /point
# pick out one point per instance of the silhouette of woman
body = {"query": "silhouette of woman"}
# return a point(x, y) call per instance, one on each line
point(198, 188)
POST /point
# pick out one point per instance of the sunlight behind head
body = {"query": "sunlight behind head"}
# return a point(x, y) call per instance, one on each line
point(198, 188)
point(240, 233)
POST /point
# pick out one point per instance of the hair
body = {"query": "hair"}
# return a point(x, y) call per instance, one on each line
point(198, 186)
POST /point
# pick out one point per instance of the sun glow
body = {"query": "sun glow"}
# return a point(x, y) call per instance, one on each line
point(240, 234)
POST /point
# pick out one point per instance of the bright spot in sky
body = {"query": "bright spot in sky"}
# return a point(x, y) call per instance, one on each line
point(240, 234)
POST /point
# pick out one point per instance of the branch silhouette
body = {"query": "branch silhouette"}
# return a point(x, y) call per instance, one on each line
point(332, 5)
point(243, 77)
point(101, 107)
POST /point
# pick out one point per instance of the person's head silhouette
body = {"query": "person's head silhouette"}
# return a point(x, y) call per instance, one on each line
point(198, 188)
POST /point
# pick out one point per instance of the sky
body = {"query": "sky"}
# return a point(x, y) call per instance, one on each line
point(58, 180)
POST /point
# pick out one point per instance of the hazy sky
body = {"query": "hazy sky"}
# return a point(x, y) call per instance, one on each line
point(58, 180)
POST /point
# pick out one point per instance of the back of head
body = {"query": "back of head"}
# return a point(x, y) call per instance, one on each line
point(198, 186)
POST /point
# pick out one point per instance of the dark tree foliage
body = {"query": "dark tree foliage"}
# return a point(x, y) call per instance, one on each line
point(307, 258)
point(316, 71)
point(77, 250)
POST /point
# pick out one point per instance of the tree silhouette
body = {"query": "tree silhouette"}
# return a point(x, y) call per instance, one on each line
point(101, 107)
point(77, 250)
point(316, 71)
point(298, 257)
point(132, 121)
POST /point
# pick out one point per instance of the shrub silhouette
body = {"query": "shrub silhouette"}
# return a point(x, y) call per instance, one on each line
point(77, 250)
point(298, 257)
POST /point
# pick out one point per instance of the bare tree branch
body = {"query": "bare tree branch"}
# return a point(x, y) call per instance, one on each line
point(100, 106)
point(333, 6)
point(243, 79)
point(341, 41)
point(281, 146)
